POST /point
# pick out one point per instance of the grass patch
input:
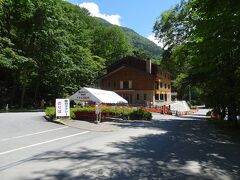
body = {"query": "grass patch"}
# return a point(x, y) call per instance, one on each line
point(50, 112)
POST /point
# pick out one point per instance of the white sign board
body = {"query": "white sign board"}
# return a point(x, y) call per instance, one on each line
point(62, 107)
point(83, 96)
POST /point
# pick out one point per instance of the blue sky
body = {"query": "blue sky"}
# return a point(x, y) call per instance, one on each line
point(138, 15)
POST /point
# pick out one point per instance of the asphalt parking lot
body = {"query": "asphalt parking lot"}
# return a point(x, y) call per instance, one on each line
point(168, 147)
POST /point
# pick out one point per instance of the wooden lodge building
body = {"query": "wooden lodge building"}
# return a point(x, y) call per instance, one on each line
point(138, 81)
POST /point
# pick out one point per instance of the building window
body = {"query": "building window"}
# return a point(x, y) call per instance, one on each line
point(138, 97)
point(165, 85)
point(114, 84)
point(156, 96)
point(128, 97)
point(165, 97)
point(169, 86)
point(145, 97)
point(156, 85)
point(161, 84)
point(161, 96)
point(125, 84)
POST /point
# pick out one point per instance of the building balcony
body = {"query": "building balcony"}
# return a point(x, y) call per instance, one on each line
point(162, 91)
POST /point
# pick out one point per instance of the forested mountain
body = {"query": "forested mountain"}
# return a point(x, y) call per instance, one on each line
point(138, 41)
point(50, 49)
point(143, 43)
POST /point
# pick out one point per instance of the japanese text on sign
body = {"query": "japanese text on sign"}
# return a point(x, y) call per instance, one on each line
point(62, 107)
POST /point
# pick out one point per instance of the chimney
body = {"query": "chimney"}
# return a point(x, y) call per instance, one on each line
point(148, 66)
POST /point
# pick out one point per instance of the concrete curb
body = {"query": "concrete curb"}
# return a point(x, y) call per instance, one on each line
point(80, 125)
point(128, 121)
point(57, 121)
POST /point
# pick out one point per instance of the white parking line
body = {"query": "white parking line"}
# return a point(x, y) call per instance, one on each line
point(41, 143)
point(26, 135)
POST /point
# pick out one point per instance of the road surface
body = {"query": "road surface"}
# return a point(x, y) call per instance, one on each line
point(165, 148)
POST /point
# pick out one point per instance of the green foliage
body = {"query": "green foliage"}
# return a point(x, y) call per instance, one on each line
point(50, 49)
point(141, 54)
point(79, 109)
point(142, 47)
point(50, 112)
point(115, 111)
point(143, 44)
point(140, 114)
point(202, 50)
point(87, 109)
point(110, 43)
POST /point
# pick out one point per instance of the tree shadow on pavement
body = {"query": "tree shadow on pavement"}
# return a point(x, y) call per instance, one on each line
point(188, 150)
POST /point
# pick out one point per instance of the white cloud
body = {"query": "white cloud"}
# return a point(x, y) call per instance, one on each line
point(152, 38)
point(94, 10)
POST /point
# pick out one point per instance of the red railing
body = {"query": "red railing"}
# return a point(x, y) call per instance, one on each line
point(162, 110)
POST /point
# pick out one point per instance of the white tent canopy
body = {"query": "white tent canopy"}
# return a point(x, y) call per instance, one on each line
point(97, 95)
point(180, 106)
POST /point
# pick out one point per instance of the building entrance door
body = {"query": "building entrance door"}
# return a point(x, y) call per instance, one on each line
point(128, 97)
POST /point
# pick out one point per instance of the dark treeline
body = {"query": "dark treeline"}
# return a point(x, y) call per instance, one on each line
point(202, 51)
point(50, 49)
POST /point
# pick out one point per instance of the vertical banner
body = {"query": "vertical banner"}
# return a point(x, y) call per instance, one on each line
point(62, 107)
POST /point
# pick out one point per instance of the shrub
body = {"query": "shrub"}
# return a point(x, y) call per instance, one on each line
point(50, 112)
point(117, 111)
point(114, 111)
point(140, 114)
point(122, 112)
point(73, 111)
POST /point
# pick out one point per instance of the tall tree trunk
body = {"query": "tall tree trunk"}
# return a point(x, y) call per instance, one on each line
point(23, 89)
point(23, 95)
point(36, 92)
point(14, 90)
